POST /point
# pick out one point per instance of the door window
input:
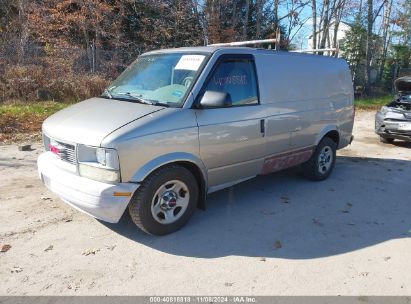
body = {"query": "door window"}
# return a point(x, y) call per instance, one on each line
point(238, 79)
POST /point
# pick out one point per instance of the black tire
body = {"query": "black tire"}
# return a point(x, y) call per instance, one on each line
point(140, 207)
point(312, 168)
point(386, 140)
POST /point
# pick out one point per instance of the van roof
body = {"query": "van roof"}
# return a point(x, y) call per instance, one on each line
point(208, 49)
point(212, 49)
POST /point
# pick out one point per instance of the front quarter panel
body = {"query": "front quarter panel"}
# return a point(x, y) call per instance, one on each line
point(167, 136)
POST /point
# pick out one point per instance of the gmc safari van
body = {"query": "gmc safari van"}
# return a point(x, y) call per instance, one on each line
point(178, 124)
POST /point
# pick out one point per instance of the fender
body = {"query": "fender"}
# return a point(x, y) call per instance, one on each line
point(165, 159)
point(169, 158)
point(324, 131)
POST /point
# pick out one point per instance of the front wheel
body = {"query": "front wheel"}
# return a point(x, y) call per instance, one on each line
point(322, 162)
point(165, 201)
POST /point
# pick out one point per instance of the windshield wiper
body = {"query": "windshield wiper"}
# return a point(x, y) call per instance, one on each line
point(144, 101)
point(136, 98)
point(158, 103)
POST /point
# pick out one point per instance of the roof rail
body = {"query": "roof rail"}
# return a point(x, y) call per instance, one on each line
point(336, 50)
point(241, 43)
point(276, 41)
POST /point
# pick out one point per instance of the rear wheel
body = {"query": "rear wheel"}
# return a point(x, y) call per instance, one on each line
point(165, 201)
point(322, 162)
point(386, 140)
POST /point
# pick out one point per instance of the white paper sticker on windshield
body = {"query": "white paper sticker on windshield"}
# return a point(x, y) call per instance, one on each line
point(190, 62)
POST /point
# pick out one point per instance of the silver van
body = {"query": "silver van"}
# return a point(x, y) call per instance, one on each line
point(178, 124)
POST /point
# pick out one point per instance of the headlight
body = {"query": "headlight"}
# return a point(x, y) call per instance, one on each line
point(98, 163)
point(99, 174)
point(384, 110)
point(101, 156)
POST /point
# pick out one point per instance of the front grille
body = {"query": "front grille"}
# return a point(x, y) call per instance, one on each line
point(64, 151)
point(67, 152)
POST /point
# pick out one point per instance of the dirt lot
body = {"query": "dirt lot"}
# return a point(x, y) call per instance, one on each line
point(276, 234)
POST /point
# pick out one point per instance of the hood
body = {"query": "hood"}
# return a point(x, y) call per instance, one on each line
point(403, 84)
point(88, 122)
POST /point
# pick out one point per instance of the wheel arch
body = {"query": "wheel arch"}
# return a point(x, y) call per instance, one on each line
point(186, 160)
point(330, 131)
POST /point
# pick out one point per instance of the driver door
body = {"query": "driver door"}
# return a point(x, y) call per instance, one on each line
point(232, 143)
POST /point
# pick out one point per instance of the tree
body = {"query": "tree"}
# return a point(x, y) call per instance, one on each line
point(331, 14)
point(385, 35)
point(14, 33)
point(314, 21)
point(371, 17)
point(354, 50)
point(368, 54)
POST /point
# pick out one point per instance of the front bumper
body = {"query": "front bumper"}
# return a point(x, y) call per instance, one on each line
point(92, 197)
point(392, 128)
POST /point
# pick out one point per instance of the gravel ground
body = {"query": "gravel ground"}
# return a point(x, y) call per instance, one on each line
point(275, 235)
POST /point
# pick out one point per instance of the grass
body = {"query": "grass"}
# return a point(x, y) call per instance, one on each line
point(19, 121)
point(37, 108)
point(372, 103)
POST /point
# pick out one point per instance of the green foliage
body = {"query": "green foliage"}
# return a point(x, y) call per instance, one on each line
point(372, 103)
point(401, 55)
point(20, 118)
point(38, 108)
point(353, 50)
point(398, 58)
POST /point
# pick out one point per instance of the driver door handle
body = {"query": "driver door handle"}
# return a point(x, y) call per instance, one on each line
point(262, 127)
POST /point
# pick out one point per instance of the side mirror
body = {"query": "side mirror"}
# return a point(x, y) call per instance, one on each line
point(214, 99)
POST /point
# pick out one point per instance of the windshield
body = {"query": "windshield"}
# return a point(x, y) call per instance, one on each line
point(159, 79)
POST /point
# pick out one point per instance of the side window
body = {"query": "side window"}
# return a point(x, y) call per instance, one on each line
point(237, 78)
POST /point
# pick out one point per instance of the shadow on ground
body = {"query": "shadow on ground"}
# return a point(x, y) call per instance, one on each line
point(11, 163)
point(365, 202)
point(402, 144)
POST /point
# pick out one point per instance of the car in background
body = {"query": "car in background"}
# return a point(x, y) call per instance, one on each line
point(393, 121)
